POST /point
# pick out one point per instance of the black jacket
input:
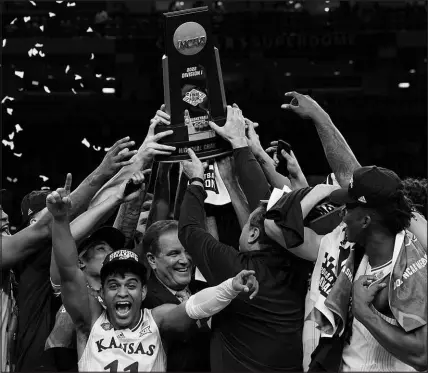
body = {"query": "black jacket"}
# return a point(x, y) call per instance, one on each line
point(192, 354)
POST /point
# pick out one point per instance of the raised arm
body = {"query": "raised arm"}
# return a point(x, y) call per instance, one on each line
point(250, 175)
point(181, 190)
point(73, 284)
point(141, 161)
point(217, 262)
point(339, 155)
point(226, 169)
point(206, 303)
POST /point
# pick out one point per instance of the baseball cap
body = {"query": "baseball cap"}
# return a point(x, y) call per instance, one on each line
point(114, 237)
point(123, 258)
point(33, 203)
point(370, 186)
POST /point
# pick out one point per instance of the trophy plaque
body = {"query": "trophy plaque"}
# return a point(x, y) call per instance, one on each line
point(193, 86)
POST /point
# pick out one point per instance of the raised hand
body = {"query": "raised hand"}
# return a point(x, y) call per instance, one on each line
point(225, 167)
point(138, 178)
point(59, 202)
point(161, 116)
point(194, 167)
point(253, 140)
point(117, 157)
point(304, 106)
point(246, 281)
point(234, 128)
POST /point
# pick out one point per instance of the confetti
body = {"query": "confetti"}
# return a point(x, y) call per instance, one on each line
point(59, 2)
point(89, 30)
point(8, 143)
point(45, 188)
point(44, 178)
point(18, 128)
point(72, 90)
point(26, 19)
point(92, 56)
point(19, 73)
point(33, 52)
point(38, 45)
point(19, 155)
point(110, 78)
point(84, 142)
point(11, 136)
point(97, 148)
point(81, 84)
point(42, 28)
point(52, 14)
point(67, 69)
point(77, 77)
point(4, 43)
point(7, 98)
point(41, 54)
point(14, 21)
point(34, 82)
point(107, 149)
point(32, 2)
point(46, 89)
point(9, 179)
point(15, 180)
point(71, 4)
point(9, 111)
point(98, 75)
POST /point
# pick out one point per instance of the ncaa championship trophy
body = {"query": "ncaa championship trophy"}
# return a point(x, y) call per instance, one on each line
point(193, 86)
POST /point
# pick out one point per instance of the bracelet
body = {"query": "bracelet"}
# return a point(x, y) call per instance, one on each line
point(198, 179)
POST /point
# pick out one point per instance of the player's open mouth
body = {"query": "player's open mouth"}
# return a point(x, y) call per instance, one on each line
point(123, 308)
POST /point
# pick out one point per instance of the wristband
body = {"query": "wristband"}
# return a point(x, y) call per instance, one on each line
point(197, 179)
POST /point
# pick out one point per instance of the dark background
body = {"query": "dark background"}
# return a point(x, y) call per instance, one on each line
point(350, 57)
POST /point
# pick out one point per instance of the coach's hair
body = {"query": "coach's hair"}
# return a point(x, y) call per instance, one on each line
point(258, 221)
point(152, 234)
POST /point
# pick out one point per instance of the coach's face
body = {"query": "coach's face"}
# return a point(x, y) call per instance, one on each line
point(123, 295)
point(172, 264)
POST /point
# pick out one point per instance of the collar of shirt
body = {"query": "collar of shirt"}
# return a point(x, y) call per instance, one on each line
point(174, 292)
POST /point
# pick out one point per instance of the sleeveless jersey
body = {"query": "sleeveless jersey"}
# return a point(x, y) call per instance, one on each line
point(364, 353)
point(124, 350)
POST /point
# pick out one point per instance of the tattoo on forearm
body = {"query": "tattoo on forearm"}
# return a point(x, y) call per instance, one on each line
point(338, 153)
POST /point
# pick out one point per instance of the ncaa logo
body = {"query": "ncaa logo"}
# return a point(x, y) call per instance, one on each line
point(190, 38)
point(194, 97)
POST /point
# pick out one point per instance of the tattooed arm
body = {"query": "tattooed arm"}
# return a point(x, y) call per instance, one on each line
point(339, 155)
point(161, 199)
point(181, 191)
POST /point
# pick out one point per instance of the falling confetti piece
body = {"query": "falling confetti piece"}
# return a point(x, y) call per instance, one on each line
point(44, 178)
point(9, 111)
point(81, 84)
point(7, 98)
point(26, 19)
point(97, 148)
point(71, 4)
point(14, 21)
point(45, 188)
point(32, 2)
point(20, 89)
point(11, 136)
point(33, 52)
point(98, 75)
point(9, 179)
point(77, 77)
point(92, 56)
point(86, 143)
point(52, 14)
point(72, 90)
point(4, 43)
point(15, 180)
point(89, 30)
point(8, 143)
point(107, 149)
point(34, 82)
point(19, 155)
point(110, 78)
point(38, 45)
point(41, 54)
point(59, 2)
point(46, 89)
point(67, 69)
point(42, 28)
point(18, 128)
point(19, 73)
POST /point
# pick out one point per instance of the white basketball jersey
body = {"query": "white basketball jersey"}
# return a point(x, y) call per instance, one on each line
point(364, 353)
point(124, 350)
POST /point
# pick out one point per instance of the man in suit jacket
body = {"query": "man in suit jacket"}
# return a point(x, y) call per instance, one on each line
point(171, 282)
